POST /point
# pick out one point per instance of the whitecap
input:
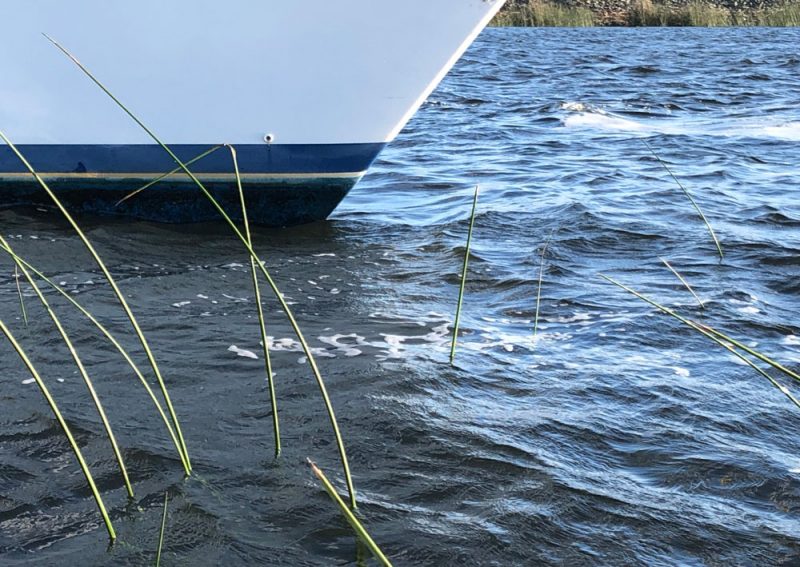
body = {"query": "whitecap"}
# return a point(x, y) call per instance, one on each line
point(787, 131)
point(574, 106)
point(749, 310)
point(242, 352)
point(792, 340)
point(603, 122)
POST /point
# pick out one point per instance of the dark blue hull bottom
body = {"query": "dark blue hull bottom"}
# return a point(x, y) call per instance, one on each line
point(282, 202)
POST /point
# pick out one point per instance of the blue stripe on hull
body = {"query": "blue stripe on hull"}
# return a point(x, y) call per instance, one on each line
point(279, 202)
point(253, 158)
point(286, 184)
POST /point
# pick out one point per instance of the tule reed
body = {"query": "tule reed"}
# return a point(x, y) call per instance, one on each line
point(82, 370)
point(64, 427)
point(349, 516)
point(258, 262)
point(721, 339)
point(4, 246)
point(262, 325)
point(463, 277)
point(117, 292)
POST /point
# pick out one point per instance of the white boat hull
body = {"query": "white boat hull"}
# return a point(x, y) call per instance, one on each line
point(308, 91)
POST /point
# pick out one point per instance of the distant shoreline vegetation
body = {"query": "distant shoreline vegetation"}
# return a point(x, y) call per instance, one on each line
point(638, 13)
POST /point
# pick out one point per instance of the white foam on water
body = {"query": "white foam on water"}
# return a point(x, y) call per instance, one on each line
point(604, 122)
point(738, 360)
point(28, 381)
point(336, 341)
point(682, 372)
point(180, 304)
point(574, 106)
point(323, 255)
point(749, 310)
point(792, 340)
point(787, 131)
point(587, 116)
point(287, 344)
point(242, 352)
point(574, 319)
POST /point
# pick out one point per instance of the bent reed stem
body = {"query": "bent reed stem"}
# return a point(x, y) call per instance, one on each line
point(19, 294)
point(84, 375)
point(120, 297)
point(774, 363)
point(163, 529)
point(349, 516)
point(539, 287)
point(165, 175)
point(684, 282)
point(257, 292)
point(7, 249)
point(273, 286)
point(691, 199)
point(463, 277)
point(708, 332)
point(64, 427)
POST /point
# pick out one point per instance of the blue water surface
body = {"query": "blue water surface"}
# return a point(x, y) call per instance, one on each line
point(614, 436)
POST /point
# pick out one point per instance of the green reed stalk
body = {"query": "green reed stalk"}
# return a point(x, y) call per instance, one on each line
point(284, 306)
point(706, 329)
point(463, 277)
point(257, 291)
point(691, 199)
point(699, 328)
point(64, 427)
point(708, 332)
point(165, 175)
point(19, 294)
point(5, 248)
point(350, 517)
point(120, 297)
point(775, 364)
point(82, 370)
point(539, 287)
point(163, 529)
point(684, 282)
